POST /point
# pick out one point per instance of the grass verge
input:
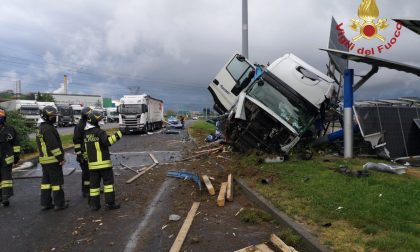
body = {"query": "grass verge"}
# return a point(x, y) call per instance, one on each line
point(375, 213)
point(201, 128)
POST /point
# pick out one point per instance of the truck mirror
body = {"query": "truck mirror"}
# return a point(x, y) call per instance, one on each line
point(240, 58)
point(260, 83)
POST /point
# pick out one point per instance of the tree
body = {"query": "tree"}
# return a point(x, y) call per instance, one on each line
point(23, 130)
point(170, 112)
point(44, 97)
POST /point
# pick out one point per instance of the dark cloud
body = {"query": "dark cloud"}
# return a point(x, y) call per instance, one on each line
point(173, 49)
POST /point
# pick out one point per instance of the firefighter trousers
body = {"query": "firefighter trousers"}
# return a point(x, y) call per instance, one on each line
point(52, 182)
point(107, 176)
point(85, 177)
point(6, 182)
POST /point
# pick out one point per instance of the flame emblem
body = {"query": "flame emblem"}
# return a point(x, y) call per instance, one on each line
point(368, 12)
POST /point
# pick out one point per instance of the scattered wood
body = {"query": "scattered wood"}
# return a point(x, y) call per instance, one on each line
point(154, 158)
point(208, 184)
point(222, 157)
point(209, 150)
point(222, 194)
point(240, 210)
point(140, 174)
point(179, 240)
point(129, 168)
point(229, 193)
point(263, 248)
point(199, 155)
point(247, 249)
point(280, 244)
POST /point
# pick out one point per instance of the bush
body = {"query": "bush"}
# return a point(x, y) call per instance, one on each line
point(23, 130)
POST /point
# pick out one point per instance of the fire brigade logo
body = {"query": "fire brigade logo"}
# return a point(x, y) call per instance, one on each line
point(368, 29)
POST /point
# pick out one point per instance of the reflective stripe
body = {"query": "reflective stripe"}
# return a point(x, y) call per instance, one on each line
point(16, 148)
point(43, 147)
point(56, 187)
point(94, 192)
point(47, 160)
point(56, 152)
point(108, 188)
point(77, 146)
point(98, 152)
point(100, 165)
point(112, 139)
point(45, 186)
point(86, 182)
point(119, 133)
point(9, 160)
point(6, 184)
point(78, 152)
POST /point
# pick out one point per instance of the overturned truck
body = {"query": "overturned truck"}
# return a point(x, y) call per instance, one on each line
point(269, 107)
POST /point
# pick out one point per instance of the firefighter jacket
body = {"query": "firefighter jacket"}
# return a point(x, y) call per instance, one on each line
point(9, 145)
point(78, 138)
point(49, 144)
point(96, 145)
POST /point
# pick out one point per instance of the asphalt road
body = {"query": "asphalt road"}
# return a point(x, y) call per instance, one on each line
point(142, 222)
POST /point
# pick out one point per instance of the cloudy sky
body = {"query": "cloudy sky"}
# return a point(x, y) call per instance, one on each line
point(173, 49)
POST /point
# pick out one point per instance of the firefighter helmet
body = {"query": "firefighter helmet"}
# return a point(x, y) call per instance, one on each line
point(49, 114)
point(2, 116)
point(95, 117)
point(85, 112)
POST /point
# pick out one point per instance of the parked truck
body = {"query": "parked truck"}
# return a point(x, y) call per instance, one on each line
point(140, 113)
point(65, 117)
point(27, 108)
point(77, 112)
point(112, 114)
point(269, 108)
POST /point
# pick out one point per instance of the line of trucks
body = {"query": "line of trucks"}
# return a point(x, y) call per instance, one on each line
point(136, 113)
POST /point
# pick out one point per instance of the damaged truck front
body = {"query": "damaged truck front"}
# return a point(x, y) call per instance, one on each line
point(269, 108)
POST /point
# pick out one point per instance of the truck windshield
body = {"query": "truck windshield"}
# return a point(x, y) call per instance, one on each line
point(131, 109)
point(77, 112)
point(66, 111)
point(297, 115)
point(29, 111)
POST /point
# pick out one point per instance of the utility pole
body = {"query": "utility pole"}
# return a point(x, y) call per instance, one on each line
point(65, 85)
point(245, 28)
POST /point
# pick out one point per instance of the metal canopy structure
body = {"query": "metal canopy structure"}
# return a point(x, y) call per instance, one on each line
point(375, 61)
point(412, 24)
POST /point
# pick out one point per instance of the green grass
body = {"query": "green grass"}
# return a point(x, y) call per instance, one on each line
point(380, 212)
point(202, 127)
point(254, 216)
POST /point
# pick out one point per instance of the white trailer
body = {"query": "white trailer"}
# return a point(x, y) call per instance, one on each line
point(27, 108)
point(140, 113)
point(77, 112)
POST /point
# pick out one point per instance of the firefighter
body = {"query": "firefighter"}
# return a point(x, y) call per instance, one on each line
point(99, 161)
point(9, 154)
point(51, 158)
point(79, 148)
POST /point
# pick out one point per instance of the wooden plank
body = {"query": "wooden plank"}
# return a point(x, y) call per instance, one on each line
point(208, 184)
point(222, 194)
point(154, 158)
point(263, 248)
point(229, 193)
point(140, 174)
point(180, 238)
point(209, 150)
point(279, 243)
point(247, 249)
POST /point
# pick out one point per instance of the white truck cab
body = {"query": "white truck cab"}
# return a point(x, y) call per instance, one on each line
point(77, 112)
point(269, 107)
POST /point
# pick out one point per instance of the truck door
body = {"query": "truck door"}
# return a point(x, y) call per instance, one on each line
point(235, 76)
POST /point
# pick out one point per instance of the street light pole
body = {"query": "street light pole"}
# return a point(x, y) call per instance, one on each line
point(245, 28)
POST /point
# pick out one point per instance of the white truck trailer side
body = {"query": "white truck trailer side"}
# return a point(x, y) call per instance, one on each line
point(140, 113)
point(27, 108)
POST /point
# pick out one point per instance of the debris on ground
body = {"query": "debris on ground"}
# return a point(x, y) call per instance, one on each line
point(208, 184)
point(275, 241)
point(348, 172)
point(185, 175)
point(229, 188)
point(268, 180)
point(395, 169)
point(278, 159)
point(179, 240)
point(222, 193)
point(174, 217)
point(142, 171)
